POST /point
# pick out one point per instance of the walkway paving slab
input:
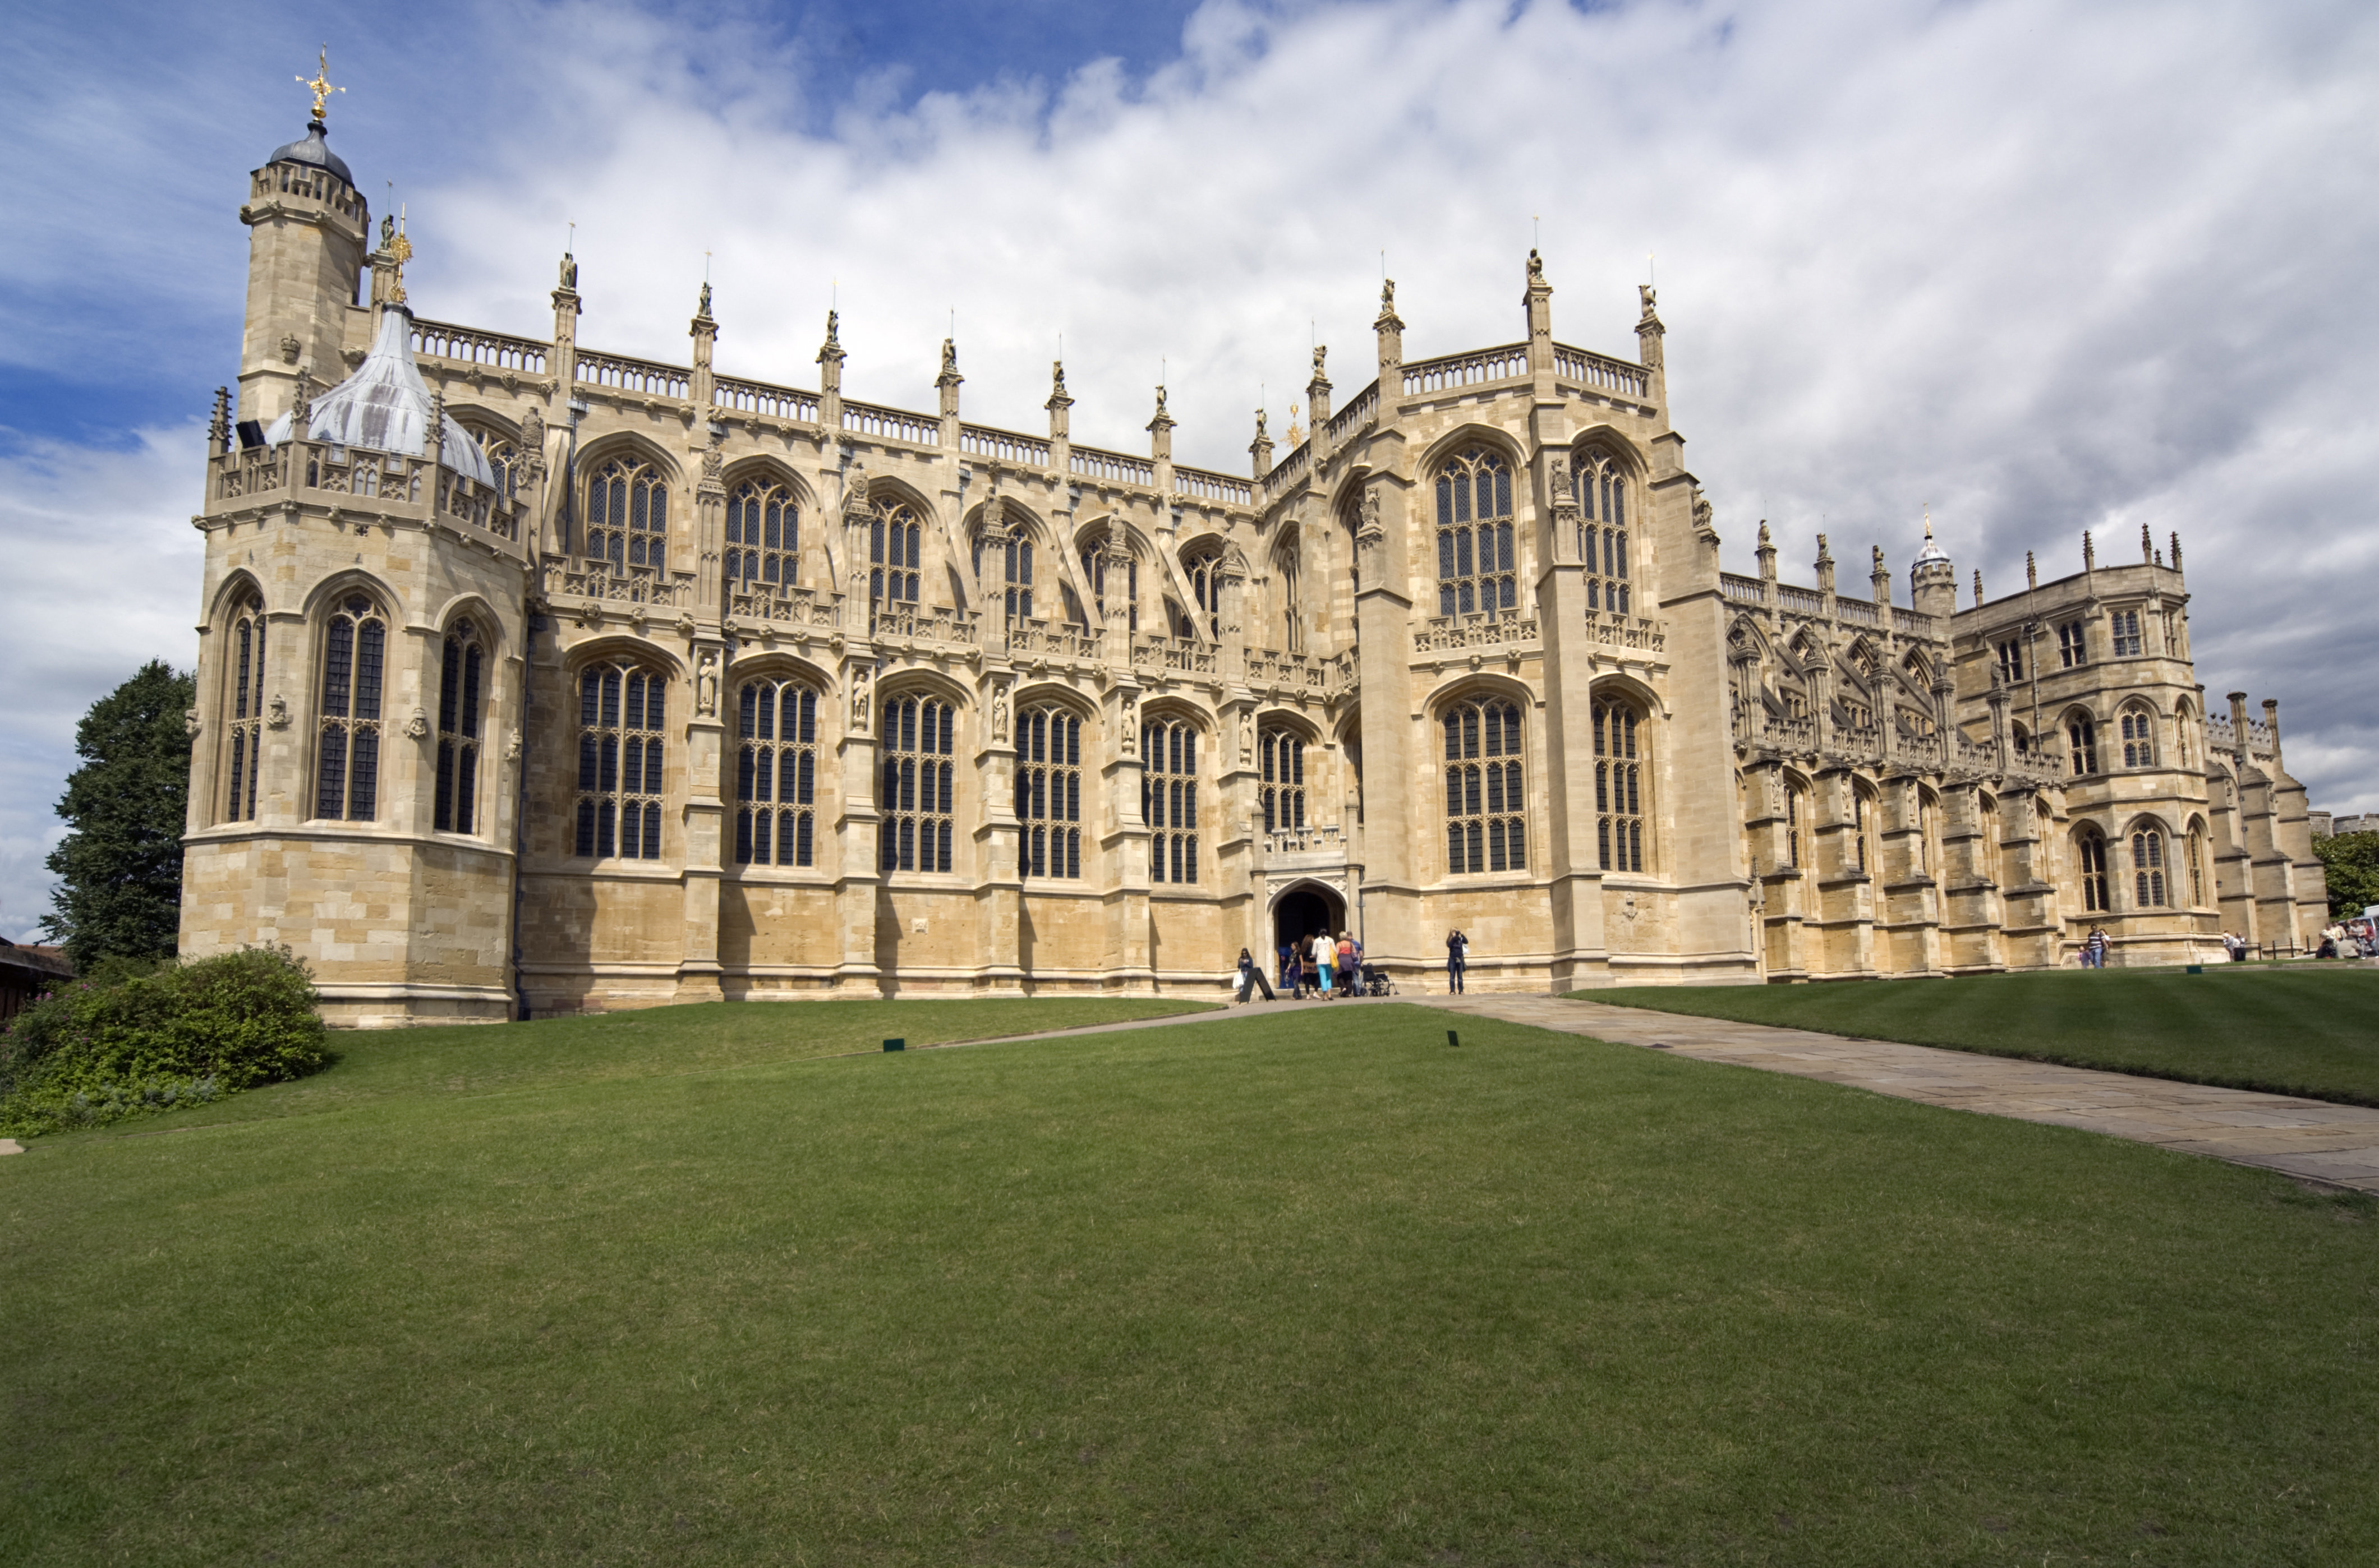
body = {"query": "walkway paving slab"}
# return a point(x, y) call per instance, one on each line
point(2309, 1140)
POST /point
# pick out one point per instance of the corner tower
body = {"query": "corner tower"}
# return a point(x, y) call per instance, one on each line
point(307, 230)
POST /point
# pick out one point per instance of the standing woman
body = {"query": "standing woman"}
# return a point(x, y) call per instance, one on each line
point(1322, 953)
point(1346, 964)
point(1457, 959)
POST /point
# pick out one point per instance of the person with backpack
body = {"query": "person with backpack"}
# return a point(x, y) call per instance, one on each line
point(1457, 960)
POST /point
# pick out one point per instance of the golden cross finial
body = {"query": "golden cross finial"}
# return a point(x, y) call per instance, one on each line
point(321, 86)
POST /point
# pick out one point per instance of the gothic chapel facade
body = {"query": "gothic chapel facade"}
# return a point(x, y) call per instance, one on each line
point(535, 678)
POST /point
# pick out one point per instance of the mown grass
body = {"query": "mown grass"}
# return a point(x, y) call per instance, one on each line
point(1310, 1289)
point(471, 1059)
point(2298, 1030)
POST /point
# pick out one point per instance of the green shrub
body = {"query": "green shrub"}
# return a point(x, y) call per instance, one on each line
point(94, 1051)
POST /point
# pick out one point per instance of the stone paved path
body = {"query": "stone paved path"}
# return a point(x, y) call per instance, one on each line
point(2313, 1139)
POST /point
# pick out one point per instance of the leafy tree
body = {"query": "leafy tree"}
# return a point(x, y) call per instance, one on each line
point(120, 868)
point(2350, 865)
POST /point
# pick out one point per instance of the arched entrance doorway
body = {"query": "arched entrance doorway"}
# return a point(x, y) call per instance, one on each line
point(1304, 909)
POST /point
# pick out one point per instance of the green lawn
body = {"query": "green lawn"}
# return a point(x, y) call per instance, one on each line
point(2299, 1029)
point(1313, 1289)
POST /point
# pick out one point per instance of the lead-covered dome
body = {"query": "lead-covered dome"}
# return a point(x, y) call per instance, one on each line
point(314, 152)
point(385, 405)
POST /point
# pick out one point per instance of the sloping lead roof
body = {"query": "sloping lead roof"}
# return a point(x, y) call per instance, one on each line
point(313, 151)
point(385, 406)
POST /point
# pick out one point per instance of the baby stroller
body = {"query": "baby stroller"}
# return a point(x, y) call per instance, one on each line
point(1376, 982)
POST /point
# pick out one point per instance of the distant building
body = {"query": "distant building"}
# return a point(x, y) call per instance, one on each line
point(535, 677)
point(27, 971)
point(2325, 825)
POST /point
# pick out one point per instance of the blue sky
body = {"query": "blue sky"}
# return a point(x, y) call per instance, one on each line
point(2041, 266)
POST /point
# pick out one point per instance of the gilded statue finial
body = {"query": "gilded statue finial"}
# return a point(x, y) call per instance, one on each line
point(321, 86)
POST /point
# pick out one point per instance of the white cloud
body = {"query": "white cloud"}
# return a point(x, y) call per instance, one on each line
point(103, 576)
point(2042, 266)
point(2045, 267)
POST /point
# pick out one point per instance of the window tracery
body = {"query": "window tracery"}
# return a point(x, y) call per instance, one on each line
point(244, 703)
point(627, 516)
point(895, 552)
point(1205, 573)
point(455, 796)
point(2123, 628)
point(763, 536)
point(504, 459)
point(918, 794)
point(2139, 737)
point(621, 712)
point(1168, 799)
point(2082, 734)
point(1112, 572)
point(2094, 874)
point(1601, 485)
point(2147, 868)
point(346, 770)
point(1049, 792)
point(1486, 822)
point(1012, 557)
point(776, 773)
point(1282, 757)
point(1477, 566)
point(1619, 787)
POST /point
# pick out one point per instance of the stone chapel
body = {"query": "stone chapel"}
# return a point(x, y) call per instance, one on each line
point(537, 679)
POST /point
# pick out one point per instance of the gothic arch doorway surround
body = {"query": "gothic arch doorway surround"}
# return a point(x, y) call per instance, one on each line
point(1303, 909)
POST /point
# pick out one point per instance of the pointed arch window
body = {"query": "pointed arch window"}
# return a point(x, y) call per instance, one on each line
point(1282, 753)
point(1292, 612)
point(461, 681)
point(1619, 787)
point(1601, 488)
point(1792, 825)
point(895, 552)
point(1114, 576)
point(1011, 558)
point(1049, 792)
point(764, 537)
point(346, 767)
point(1476, 563)
point(2139, 737)
point(1205, 572)
point(775, 774)
point(1168, 799)
point(2093, 875)
point(622, 715)
point(244, 703)
point(1486, 821)
point(919, 786)
point(2082, 734)
point(627, 516)
point(2196, 868)
point(2147, 868)
point(504, 459)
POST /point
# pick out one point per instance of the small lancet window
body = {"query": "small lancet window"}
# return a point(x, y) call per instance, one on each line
point(460, 680)
point(244, 703)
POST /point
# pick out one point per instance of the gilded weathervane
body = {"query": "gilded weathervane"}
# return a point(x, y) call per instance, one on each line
point(321, 86)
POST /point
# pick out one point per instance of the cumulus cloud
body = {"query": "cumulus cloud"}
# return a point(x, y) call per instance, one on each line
point(2043, 267)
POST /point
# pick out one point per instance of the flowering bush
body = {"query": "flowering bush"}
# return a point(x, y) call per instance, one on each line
point(94, 1051)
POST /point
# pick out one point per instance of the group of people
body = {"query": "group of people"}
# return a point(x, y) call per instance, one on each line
point(1320, 964)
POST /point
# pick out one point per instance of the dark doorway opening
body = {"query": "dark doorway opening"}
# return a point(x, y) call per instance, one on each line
point(1304, 912)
